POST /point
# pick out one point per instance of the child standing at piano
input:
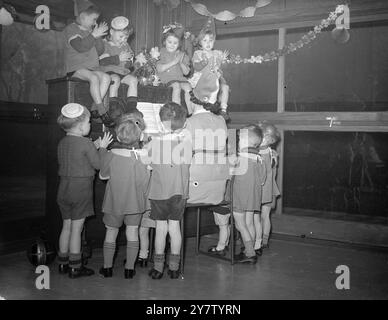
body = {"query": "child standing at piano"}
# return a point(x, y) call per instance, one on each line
point(78, 159)
point(270, 189)
point(249, 177)
point(169, 188)
point(125, 198)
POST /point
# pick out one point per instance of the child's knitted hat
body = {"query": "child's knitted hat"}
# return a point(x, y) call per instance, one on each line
point(72, 110)
point(208, 27)
point(81, 5)
point(119, 23)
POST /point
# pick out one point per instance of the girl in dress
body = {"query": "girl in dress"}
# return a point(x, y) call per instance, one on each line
point(250, 175)
point(174, 64)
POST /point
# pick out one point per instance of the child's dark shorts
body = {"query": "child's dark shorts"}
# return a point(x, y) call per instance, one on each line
point(75, 197)
point(170, 209)
point(116, 221)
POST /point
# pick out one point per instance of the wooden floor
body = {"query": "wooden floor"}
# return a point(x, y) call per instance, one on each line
point(287, 270)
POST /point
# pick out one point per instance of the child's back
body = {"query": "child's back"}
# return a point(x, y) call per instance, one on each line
point(127, 188)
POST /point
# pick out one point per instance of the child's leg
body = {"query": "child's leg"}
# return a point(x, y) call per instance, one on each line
point(64, 241)
point(223, 223)
point(176, 92)
point(95, 91)
point(110, 245)
point(186, 88)
point(75, 256)
point(246, 237)
point(105, 80)
point(266, 221)
point(250, 224)
point(258, 229)
point(175, 236)
point(224, 96)
point(114, 88)
point(144, 242)
point(174, 231)
point(160, 244)
point(131, 81)
point(132, 233)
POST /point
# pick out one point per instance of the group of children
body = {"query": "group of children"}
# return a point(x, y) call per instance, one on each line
point(102, 56)
point(150, 183)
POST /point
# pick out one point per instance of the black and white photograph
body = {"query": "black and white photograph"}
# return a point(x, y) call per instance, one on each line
point(192, 156)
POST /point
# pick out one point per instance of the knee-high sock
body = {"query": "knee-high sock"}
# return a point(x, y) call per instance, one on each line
point(132, 251)
point(173, 261)
point(109, 252)
point(63, 257)
point(75, 260)
point(159, 262)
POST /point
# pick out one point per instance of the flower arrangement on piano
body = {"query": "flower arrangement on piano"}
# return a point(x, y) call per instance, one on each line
point(145, 67)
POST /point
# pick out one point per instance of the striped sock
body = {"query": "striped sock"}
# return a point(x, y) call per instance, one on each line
point(159, 262)
point(109, 252)
point(63, 257)
point(75, 260)
point(173, 261)
point(132, 251)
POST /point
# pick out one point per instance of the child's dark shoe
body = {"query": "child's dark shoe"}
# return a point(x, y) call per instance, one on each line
point(174, 274)
point(129, 273)
point(80, 272)
point(142, 262)
point(155, 274)
point(259, 251)
point(94, 114)
point(242, 258)
point(213, 250)
point(106, 272)
point(63, 268)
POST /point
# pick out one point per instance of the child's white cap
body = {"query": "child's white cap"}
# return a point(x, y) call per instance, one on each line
point(72, 110)
point(119, 23)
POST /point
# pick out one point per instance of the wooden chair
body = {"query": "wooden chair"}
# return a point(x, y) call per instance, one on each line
point(228, 204)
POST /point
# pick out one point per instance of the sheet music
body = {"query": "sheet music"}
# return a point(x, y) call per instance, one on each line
point(151, 116)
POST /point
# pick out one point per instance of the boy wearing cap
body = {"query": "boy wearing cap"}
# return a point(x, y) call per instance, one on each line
point(117, 60)
point(83, 45)
point(78, 159)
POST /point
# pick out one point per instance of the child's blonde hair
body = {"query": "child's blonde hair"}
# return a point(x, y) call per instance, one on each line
point(67, 123)
point(128, 132)
point(270, 130)
point(255, 135)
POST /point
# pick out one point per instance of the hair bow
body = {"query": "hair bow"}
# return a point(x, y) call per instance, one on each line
point(172, 26)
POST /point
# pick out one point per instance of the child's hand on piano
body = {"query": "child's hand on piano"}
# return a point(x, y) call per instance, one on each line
point(106, 140)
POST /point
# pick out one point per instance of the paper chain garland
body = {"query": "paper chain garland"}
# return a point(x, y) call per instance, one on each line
point(227, 15)
point(291, 47)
